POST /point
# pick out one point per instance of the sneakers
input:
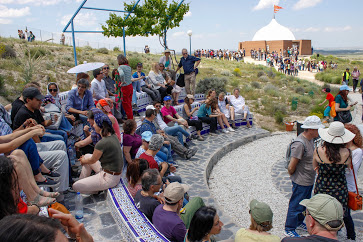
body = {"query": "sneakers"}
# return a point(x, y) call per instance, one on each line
point(230, 129)
point(225, 131)
point(291, 233)
point(193, 136)
point(200, 138)
point(212, 134)
point(191, 153)
point(47, 183)
point(302, 227)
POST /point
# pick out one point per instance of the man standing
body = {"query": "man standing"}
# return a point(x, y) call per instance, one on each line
point(302, 174)
point(346, 76)
point(324, 218)
point(189, 63)
point(98, 86)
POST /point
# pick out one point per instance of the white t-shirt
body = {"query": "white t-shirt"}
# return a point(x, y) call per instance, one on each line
point(99, 89)
point(357, 156)
point(237, 103)
point(161, 122)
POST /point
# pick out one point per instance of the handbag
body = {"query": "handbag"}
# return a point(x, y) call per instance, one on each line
point(354, 199)
point(180, 81)
point(344, 116)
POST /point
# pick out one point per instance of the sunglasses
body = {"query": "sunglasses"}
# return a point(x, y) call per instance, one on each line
point(106, 68)
point(157, 106)
point(53, 90)
point(84, 87)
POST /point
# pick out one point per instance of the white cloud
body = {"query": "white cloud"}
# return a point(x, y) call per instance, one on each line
point(266, 4)
point(188, 14)
point(6, 12)
point(306, 4)
point(178, 34)
point(38, 2)
point(82, 19)
point(5, 21)
point(305, 30)
point(337, 29)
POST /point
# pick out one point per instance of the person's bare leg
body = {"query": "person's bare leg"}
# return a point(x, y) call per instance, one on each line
point(225, 120)
point(44, 169)
point(220, 121)
point(231, 109)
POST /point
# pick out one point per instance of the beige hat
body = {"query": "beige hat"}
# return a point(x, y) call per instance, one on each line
point(175, 191)
point(312, 122)
point(190, 96)
point(336, 134)
point(167, 51)
point(324, 209)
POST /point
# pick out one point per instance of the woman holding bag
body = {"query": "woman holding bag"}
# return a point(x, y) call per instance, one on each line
point(355, 146)
point(342, 108)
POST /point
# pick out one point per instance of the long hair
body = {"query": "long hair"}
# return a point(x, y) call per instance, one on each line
point(135, 170)
point(344, 95)
point(210, 92)
point(155, 68)
point(107, 129)
point(214, 104)
point(186, 101)
point(122, 60)
point(358, 137)
point(8, 187)
point(332, 151)
point(201, 224)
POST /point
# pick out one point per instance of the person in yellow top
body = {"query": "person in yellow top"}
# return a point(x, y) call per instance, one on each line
point(261, 222)
point(346, 76)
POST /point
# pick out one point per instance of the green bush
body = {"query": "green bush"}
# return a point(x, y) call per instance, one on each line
point(260, 73)
point(102, 51)
point(256, 85)
point(271, 90)
point(237, 72)
point(300, 90)
point(279, 117)
point(87, 48)
point(264, 79)
point(225, 73)
point(271, 74)
point(36, 52)
point(116, 48)
point(133, 62)
point(6, 51)
point(305, 99)
point(219, 84)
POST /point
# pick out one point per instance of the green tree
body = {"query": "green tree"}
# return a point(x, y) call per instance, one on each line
point(151, 18)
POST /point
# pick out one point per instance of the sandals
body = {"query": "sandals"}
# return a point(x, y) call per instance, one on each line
point(51, 194)
point(51, 174)
point(48, 201)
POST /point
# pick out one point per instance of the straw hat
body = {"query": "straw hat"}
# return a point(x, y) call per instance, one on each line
point(167, 51)
point(336, 133)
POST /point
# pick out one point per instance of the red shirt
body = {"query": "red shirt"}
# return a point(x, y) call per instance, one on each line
point(168, 111)
point(330, 98)
point(152, 163)
point(22, 207)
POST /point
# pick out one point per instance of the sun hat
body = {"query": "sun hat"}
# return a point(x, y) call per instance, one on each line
point(167, 98)
point(166, 51)
point(146, 136)
point(260, 212)
point(336, 133)
point(312, 122)
point(190, 96)
point(344, 87)
point(150, 107)
point(175, 191)
point(324, 209)
point(156, 142)
point(105, 105)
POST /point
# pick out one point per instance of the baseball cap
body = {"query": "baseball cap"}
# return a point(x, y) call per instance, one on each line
point(32, 92)
point(167, 98)
point(105, 105)
point(175, 191)
point(344, 87)
point(146, 136)
point(150, 107)
point(324, 208)
point(312, 122)
point(139, 64)
point(260, 212)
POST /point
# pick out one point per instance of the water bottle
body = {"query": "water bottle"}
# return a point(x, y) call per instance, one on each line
point(79, 207)
point(71, 155)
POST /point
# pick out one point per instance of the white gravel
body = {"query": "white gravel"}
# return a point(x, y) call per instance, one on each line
point(245, 174)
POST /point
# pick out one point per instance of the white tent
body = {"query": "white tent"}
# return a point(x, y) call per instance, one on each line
point(274, 31)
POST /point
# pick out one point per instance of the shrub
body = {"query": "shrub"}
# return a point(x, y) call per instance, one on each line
point(256, 85)
point(103, 51)
point(225, 73)
point(133, 62)
point(300, 90)
point(207, 83)
point(260, 73)
point(305, 99)
point(116, 48)
point(2, 84)
point(36, 52)
point(279, 117)
point(271, 90)
point(6, 51)
point(87, 48)
point(237, 72)
point(235, 83)
point(271, 74)
point(264, 79)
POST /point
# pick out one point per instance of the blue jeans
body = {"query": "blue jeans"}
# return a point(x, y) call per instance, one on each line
point(51, 137)
point(294, 214)
point(162, 156)
point(137, 88)
point(166, 149)
point(349, 224)
point(177, 131)
point(31, 152)
point(61, 133)
point(65, 125)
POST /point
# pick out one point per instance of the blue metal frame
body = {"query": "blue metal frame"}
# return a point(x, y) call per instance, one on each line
point(90, 31)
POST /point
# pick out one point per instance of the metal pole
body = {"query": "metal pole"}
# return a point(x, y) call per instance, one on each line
point(165, 39)
point(52, 38)
point(123, 30)
point(74, 45)
point(190, 47)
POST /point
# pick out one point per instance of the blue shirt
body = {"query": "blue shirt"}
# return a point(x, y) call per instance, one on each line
point(148, 126)
point(4, 128)
point(188, 63)
point(76, 102)
point(125, 74)
point(204, 111)
point(142, 81)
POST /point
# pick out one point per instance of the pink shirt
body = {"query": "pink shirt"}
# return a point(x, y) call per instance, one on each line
point(168, 111)
point(115, 127)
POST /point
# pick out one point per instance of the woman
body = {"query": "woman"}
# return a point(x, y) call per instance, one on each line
point(355, 145)
point(211, 94)
point(226, 108)
point(205, 115)
point(144, 83)
point(170, 82)
point(205, 223)
point(106, 160)
point(104, 106)
point(124, 71)
point(158, 82)
point(221, 118)
point(118, 94)
point(146, 136)
point(330, 162)
point(341, 105)
point(133, 175)
point(188, 115)
point(261, 222)
point(131, 140)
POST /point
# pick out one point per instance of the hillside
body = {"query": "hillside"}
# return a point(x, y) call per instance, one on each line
point(268, 93)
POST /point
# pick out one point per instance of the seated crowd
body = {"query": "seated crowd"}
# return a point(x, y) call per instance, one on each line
point(34, 141)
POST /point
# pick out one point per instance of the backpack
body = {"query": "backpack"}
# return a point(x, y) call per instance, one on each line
point(288, 150)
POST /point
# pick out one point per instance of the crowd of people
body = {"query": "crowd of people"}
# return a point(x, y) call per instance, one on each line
point(220, 54)
point(29, 36)
point(34, 147)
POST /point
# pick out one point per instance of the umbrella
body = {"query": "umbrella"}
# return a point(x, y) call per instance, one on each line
point(85, 67)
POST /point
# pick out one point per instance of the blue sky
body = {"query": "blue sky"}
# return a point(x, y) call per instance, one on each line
point(215, 23)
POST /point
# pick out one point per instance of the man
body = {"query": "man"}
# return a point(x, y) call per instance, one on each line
point(324, 218)
point(80, 100)
point(110, 86)
point(302, 174)
point(30, 110)
point(166, 216)
point(189, 63)
point(98, 86)
point(239, 104)
point(345, 77)
point(145, 199)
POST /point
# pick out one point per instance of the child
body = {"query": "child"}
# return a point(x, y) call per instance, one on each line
point(330, 99)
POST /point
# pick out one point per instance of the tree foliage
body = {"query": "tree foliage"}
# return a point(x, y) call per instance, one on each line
point(151, 18)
